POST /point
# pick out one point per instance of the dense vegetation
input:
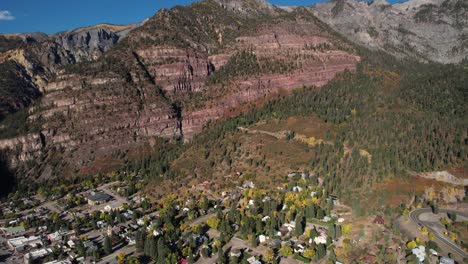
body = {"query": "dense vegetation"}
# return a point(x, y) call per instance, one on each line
point(246, 63)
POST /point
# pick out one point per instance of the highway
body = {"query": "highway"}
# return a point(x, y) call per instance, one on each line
point(441, 238)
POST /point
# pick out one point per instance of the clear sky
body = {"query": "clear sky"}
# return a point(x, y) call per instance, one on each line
point(51, 16)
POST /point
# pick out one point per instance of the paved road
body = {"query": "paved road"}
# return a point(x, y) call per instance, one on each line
point(111, 259)
point(204, 218)
point(414, 216)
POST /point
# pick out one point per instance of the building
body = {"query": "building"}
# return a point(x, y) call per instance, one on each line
point(115, 206)
point(59, 262)
point(262, 238)
point(445, 260)
point(420, 253)
point(12, 231)
point(60, 236)
point(36, 254)
point(21, 243)
point(379, 220)
point(253, 260)
point(236, 252)
point(98, 198)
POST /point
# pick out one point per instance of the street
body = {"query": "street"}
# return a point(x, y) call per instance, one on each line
point(441, 239)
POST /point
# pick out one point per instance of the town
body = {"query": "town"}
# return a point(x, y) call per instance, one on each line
point(107, 220)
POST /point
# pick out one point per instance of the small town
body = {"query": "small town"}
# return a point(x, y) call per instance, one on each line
point(110, 222)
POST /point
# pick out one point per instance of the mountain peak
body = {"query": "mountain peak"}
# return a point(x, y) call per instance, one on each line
point(380, 3)
point(247, 6)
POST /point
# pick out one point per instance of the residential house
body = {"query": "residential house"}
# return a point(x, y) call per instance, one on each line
point(420, 253)
point(446, 260)
point(321, 238)
point(253, 260)
point(297, 189)
point(60, 236)
point(115, 206)
point(379, 220)
point(235, 252)
point(262, 238)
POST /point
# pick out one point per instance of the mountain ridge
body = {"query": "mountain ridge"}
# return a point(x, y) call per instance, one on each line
point(108, 99)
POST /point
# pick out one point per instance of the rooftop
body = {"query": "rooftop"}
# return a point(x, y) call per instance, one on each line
point(99, 197)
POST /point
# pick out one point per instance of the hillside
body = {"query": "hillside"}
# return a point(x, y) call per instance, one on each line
point(30, 61)
point(206, 90)
point(354, 134)
point(168, 78)
point(429, 30)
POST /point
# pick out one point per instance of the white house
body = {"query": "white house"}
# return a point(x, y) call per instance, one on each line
point(420, 253)
point(262, 238)
point(253, 260)
point(297, 189)
point(321, 238)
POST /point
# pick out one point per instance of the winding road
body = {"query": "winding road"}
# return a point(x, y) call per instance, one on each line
point(441, 238)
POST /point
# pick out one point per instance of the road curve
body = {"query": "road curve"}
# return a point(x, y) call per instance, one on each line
point(414, 216)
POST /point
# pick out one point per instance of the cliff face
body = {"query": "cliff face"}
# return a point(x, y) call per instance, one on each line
point(167, 78)
point(435, 30)
point(35, 58)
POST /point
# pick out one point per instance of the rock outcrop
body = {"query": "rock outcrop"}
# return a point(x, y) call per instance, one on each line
point(435, 30)
point(35, 58)
point(167, 79)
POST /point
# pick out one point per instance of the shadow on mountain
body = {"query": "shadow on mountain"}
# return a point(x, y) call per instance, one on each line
point(7, 177)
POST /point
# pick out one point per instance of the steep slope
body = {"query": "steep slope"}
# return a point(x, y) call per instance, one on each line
point(168, 78)
point(435, 30)
point(31, 60)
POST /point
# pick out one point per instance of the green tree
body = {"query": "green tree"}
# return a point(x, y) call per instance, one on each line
point(300, 224)
point(321, 251)
point(286, 250)
point(107, 245)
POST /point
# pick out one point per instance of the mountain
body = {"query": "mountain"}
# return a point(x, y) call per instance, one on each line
point(181, 93)
point(29, 61)
point(169, 77)
point(429, 30)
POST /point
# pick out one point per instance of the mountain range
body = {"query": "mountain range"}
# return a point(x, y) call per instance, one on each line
point(93, 99)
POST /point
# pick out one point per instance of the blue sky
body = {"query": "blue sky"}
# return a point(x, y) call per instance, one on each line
point(51, 16)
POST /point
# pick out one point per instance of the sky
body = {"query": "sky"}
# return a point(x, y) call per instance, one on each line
point(52, 16)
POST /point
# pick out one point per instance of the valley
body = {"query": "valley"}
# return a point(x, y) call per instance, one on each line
point(232, 131)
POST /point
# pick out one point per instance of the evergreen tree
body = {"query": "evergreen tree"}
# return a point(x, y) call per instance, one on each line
point(221, 257)
point(107, 245)
point(161, 251)
point(331, 231)
point(332, 257)
point(300, 223)
point(321, 251)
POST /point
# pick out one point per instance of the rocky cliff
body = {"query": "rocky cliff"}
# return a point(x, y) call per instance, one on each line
point(435, 30)
point(31, 60)
point(167, 78)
